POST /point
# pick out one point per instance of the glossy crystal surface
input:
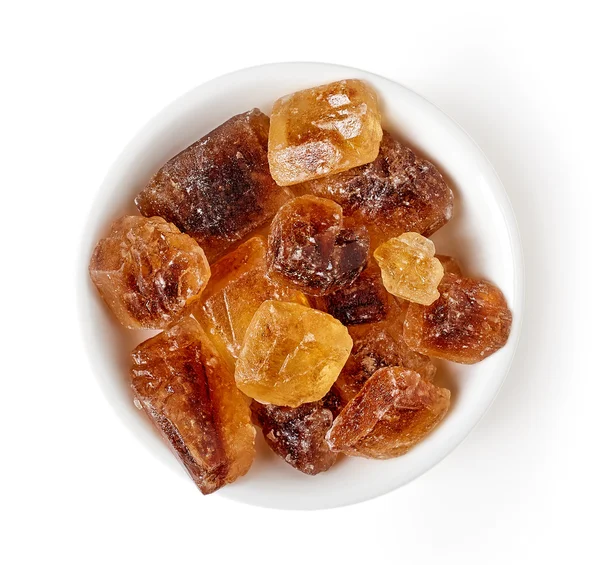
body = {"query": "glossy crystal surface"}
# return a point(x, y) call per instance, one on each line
point(219, 189)
point(323, 130)
point(395, 410)
point(291, 354)
point(189, 394)
point(398, 192)
point(148, 272)
point(297, 435)
point(409, 269)
point(470, 321)
point(312, 248)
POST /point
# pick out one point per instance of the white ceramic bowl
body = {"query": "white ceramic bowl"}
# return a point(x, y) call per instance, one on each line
point(483, 235)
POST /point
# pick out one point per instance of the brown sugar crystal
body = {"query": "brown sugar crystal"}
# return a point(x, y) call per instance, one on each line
point(219, 189)
point(238, 286)
point(323, 130)
point(148, 272)
point(395, 410)
point(297, 435)
point(312, 248)
point(189, 394)
point(398, 192)
point(470, 321)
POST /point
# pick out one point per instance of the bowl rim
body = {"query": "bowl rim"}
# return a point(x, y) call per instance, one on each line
point(165, 113)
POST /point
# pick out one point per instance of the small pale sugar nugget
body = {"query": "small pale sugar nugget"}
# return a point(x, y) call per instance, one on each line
point(313, 248)
point(297, 435)
point(409, 268)
point(398, 192)
point(375, 346)
point(238, 286)
point(470, 321)
point(291, 354)
point(148, 272)
point(218, 190)
point(190, 395)
point(323, 130)
point(394, 411)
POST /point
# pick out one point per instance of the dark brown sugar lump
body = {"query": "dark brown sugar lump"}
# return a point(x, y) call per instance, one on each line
point(219, 189)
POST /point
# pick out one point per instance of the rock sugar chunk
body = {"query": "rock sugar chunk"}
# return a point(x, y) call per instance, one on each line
point(397, 193)
point(409, 268)
point(394, 411)
point(148, 272)
point(297, 435)
point(312, 248)
point(323, 130)
point(291, 354)
point(238, 286)
point(364, 301)
point(450, 264)
point(191, 397)
point(470, 321)
point(219, 189)
point(376, 346)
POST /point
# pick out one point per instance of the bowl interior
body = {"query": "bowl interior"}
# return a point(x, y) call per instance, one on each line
point(482, 235)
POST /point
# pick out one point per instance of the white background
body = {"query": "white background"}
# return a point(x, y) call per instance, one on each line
point(80, 78)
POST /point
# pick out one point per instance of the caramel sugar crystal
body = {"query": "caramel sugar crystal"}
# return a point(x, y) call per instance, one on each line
point(189, 394)
point(323, 130)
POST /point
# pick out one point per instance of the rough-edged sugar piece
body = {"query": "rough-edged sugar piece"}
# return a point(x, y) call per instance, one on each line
point(291, 354)
point(189, 393)
point(409, 268)
point(218, 190)
point(323, 130)
point(148, 272)
point(398, 192)
point(313, 248)
point(467, 323)
point(393, 412)
point(297, 435)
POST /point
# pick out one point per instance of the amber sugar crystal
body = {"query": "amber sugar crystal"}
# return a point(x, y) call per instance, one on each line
point(450, 264)
point(398, 192)
point(470, 321)
point(148, 272)
point(238, 286)
point(323, 130)
point(190, 395)
point(297, 435)
point(219, 189)
point(409, 268)
point(292, 354)
point(313, 248)
point(395, 410)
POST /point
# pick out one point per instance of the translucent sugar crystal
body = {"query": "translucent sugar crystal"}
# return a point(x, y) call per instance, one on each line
point(297, 435)
point(323, 130)
point(394, 411)
point(409, 268)
point(238, 286)
point(450, 264)
point(219, 189)
point(470, 321)
point(376, 346)
point(313, 248)
point(190, 395)
point(148, 272)
point(364, 301)
point(397, 193)
point(291, 354)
